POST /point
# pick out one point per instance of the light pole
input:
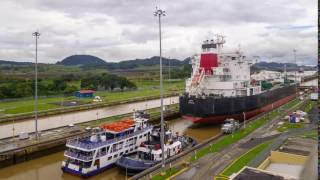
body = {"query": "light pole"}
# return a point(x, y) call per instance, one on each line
point(244, 119)
point(159, 13)
point(13, 129)
point(169, 79)
point(126, 173)
point(295, 72)
point(36, 35)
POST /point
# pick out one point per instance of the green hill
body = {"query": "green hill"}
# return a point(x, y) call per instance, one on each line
point(81, 60)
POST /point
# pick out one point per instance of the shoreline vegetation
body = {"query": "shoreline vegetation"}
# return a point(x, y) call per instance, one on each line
point(145, 90)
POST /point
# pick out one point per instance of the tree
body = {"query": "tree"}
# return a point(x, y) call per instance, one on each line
point(70, 89)
point(59, 85)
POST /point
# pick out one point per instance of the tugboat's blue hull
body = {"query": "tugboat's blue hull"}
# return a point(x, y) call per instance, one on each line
point(132, 167)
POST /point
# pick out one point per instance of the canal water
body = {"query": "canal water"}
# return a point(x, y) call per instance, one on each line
point(48, 167)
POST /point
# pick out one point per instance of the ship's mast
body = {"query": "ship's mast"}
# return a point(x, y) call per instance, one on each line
point(220, 41)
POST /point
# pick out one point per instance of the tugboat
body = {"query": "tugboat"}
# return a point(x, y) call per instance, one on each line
point(221, 87)
point(149, 153)
point(90, 155)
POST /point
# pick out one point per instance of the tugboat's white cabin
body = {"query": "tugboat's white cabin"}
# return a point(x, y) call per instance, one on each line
point(155, 154)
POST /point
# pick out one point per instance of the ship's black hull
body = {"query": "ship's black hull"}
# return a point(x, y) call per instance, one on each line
point(216, 110)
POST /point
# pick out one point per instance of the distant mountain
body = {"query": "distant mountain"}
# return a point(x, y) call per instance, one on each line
point(13, 63)
point(93, 62)
point(273, 66)
point(153, 61)
point(88, 61)
point(75, 60)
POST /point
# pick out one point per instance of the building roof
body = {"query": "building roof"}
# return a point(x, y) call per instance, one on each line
point(86, 91)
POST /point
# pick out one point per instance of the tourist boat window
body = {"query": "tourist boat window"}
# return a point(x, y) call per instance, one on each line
point(87, 164)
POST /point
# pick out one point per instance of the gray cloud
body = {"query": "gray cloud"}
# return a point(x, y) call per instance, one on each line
point(120, 29)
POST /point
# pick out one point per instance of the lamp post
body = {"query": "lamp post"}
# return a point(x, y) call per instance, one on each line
point(169, 79)
point(295, 72)
point(126, 173)
point(13, 129)
point(244, 119)
point(36, 35)
point(159, 13)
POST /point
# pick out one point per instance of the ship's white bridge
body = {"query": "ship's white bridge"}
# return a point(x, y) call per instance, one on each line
point(220, 74)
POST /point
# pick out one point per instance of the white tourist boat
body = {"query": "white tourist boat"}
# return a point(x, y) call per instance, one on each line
point(90, 155)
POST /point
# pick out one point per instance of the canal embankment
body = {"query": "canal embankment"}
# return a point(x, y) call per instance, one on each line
point(13, 128)
point(70, 109)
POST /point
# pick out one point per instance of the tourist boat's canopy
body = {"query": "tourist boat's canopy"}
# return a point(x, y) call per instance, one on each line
point(120, 126)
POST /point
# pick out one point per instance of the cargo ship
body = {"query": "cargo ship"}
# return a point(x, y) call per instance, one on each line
point(221, 87)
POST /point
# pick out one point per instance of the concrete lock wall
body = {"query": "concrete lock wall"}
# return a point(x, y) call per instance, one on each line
point(310, 170)
point(264, 164)
point(281, 157)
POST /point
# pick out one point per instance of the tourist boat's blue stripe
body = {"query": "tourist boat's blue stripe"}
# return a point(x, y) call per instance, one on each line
point(89, 174)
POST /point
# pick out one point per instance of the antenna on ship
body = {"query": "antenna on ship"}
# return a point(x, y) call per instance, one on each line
point(220, 41)
point(159, 13)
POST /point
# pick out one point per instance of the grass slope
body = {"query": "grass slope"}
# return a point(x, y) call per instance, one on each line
point(243, 160)
point(145, 89)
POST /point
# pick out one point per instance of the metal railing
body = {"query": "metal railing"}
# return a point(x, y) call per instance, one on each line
point(92, 145)
point(78, 156)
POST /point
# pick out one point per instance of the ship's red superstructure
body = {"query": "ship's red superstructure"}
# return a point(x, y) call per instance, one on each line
point(208, 61)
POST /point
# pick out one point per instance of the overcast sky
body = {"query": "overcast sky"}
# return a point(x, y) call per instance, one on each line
point(116, 30)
